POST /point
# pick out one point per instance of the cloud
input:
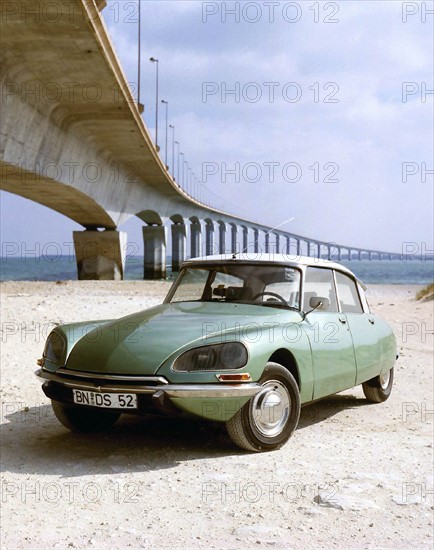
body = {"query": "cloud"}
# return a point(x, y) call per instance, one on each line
point(349, 76)
point(343, 104)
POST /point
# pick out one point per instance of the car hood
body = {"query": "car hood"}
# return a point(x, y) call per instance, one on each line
point(140, 343)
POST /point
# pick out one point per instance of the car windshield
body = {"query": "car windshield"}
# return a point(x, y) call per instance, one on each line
point(258, 284)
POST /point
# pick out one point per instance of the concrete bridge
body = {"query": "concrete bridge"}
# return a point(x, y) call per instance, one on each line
point(73, 139)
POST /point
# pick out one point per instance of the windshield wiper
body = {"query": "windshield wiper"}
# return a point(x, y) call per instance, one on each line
point(281, 306)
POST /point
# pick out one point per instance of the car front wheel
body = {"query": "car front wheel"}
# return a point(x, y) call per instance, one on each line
point(84, 419)
point(269, 418)
point(379, 388)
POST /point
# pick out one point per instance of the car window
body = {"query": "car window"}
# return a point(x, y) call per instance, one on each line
point(223, 282)
point(193, 282)
point(319, 282)
point(349, 300)
point(287, 287)
point(239, 282)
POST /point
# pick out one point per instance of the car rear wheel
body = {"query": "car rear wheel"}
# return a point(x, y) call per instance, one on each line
point(379, 388)
point(269, 418)
point(84, 419)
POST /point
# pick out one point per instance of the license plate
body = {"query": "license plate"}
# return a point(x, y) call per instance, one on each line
point(105, 400)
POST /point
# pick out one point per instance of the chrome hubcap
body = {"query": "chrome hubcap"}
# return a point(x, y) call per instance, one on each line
point(271, 408)
point(384, 379)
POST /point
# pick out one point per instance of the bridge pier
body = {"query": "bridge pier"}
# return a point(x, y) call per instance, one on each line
point(277, 243)
point(288, 244)
point(222, 237)
point(267, 243)
point(209, 238)
point(178, 245)
point(154, 240)
point(298, 241)
point(195, 239)
point(255, 240)
point(245, 238)
point(100, 255)
point(234, 230)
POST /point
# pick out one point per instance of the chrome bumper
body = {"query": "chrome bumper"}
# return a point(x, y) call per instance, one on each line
point(118, 384)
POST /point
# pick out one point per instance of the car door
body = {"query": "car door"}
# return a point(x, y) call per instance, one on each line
point(329, 335)
point(371, 335)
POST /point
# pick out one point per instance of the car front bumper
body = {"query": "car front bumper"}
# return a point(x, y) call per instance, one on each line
point(136, 384)
point(213, 401)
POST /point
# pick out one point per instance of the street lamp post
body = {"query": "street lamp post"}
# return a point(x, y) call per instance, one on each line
point(177, 156)
point(173, 149)
point(167, 114)
point(182, 185)
point(153, 60)
point(139, 33)
point(189, 180)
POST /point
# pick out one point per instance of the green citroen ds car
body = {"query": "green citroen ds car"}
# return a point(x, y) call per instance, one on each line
point(238, 339)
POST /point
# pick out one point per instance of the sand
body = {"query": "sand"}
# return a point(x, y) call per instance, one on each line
point(353, 475)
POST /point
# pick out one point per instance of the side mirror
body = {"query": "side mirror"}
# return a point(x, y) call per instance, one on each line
point(319, 302)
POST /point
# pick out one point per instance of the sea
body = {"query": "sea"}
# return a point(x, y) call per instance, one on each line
point(63, 268)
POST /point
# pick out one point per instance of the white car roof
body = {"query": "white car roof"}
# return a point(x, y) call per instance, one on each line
point(287, 259)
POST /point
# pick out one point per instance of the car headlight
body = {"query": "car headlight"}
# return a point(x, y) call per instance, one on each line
point(231, 355)
point(55, 349)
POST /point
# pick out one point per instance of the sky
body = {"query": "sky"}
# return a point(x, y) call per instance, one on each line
point(317, 111)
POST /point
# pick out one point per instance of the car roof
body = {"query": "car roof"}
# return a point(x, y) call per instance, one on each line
point(262, 258)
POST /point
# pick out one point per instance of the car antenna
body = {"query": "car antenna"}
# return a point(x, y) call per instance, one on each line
point(234, 255)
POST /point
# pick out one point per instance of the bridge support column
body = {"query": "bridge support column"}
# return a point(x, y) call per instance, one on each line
point(222, 238)
point(100, 255)
point(178, 245)
point(195, 239)
point(308, 247)
point(288, 245)
point(245, 239)
point(255, 240)
point(267, 243)
point(339, 254)
point(329, 252)
point(234, 231)
point(277, 251)
point(154, 238)
point(209, 239)
point(298, 247)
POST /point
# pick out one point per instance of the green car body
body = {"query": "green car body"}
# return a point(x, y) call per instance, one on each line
point(250, 362)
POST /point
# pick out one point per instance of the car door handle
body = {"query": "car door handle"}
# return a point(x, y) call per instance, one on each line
point(371, 320)
point(342, 319)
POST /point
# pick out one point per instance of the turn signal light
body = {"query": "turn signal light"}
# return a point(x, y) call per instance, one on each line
point(237, 377)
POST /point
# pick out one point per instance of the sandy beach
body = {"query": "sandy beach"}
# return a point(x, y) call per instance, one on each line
point(353, 476)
